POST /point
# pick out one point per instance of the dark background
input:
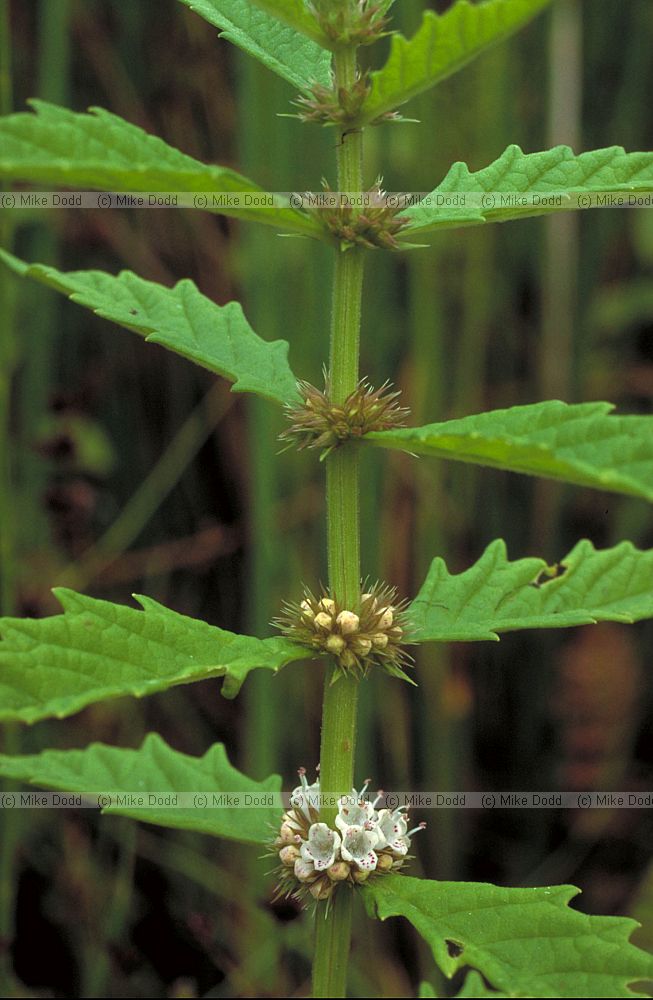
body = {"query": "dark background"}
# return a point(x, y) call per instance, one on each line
point(136, 472)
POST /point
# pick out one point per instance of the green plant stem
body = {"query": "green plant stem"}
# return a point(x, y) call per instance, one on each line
point(333, 928)
point(332, 937)
point(10, 742)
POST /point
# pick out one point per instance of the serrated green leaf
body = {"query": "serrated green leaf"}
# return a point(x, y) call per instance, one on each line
point(443, 44)
point(101, 151)
point(517, 176)
point(97, 650)
point(474, 986)
point(579, 444)
point(183, 320)
point(296, 14)
point(300, 60)
point(496, 595)
point(156, 769)
point(527, 942)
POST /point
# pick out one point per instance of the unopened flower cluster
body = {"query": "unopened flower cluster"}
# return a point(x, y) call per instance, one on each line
point(374, 223)
point(359, 23)
point(319, 423)
point(315, 858)
point(357, 639)
point(337, 105)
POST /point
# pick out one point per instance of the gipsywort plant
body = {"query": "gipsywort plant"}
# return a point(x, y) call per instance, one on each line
point(334, 841)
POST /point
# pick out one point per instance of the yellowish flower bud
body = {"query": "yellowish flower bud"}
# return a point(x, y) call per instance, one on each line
point(304, 871)
point(288, 855)
point(339, 871)
point(287, 834)
point(328, 605)
point(385, 863)
point(321, 889)
point(322, 620)
point(348, 659)
point(335, 644)
point(380, 640)
point(386, 619)
point(362, 646)
point(348, 622)
point(360, 876)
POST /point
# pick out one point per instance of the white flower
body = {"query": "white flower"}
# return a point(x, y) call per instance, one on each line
point(321, 847)
point(392, 828)
point(355, 810)
point(401, 844)
point(304, 870)
point(358, 846)
point(306, 797)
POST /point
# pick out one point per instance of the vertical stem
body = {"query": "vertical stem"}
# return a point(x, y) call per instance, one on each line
point(11, 821)
point(7, 353)
point(555, 363)
point(333, 927)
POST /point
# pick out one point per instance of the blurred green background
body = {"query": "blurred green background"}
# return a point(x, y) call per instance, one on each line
point(126, 469)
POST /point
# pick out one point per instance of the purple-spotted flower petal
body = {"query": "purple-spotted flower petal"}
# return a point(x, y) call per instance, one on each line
point(358, 845)
point(322, 846)
point(392, 828)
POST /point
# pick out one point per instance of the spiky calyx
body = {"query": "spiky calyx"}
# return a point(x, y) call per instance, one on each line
point(364, 843)
point(347, 24)
point(371, 219)
point(320, 423)
point(339, 105)
point(358, 638)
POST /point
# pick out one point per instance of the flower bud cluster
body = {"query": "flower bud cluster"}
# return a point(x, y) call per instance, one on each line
point(373, 224)
point(357, 639)
point(320, 423)
point(347, 24)
point(339, 105)
point(364, 842)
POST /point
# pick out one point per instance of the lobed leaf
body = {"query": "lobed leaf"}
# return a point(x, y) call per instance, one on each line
point(580, 443)
point(295, 13)
point(525, 942)
point(183, 320)
point(155, 769)
point(97, 650)
point(443, 44)
point(495, 595)
point(517, 176)
point(101, 151)
point(281, 47)
point(474, 986)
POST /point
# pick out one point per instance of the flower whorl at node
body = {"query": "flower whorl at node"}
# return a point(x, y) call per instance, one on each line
point(339, 105)
point(372, 222)
point(315, 858)
point(351, 24)
point(320, 423)
point(370, 635)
